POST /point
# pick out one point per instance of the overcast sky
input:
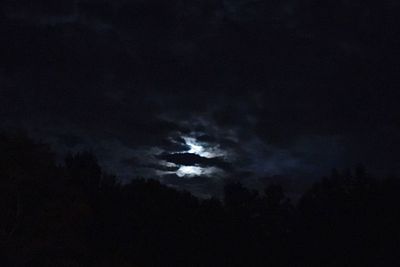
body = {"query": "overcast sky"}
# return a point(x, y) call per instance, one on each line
point(196, 92)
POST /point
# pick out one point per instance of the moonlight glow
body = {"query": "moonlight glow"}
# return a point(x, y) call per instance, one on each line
point(192, 171)
point(189, 171)
point(201, 150)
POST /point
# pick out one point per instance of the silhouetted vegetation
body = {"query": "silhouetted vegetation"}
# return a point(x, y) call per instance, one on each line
point(74, 214)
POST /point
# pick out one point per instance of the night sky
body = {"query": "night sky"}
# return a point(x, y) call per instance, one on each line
point(193, 93)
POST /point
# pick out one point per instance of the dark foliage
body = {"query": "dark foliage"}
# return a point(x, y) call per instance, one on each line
point(77, 215)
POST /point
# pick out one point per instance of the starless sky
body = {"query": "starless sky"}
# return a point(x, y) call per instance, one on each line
point(195, 92)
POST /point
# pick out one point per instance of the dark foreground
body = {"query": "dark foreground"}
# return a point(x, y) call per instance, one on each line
point(75, 215)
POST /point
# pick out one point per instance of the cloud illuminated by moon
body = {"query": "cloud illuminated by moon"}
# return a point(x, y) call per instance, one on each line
point(193, 171)
point(201, 150)
point(189, 171)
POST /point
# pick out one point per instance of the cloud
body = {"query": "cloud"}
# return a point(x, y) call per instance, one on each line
point(275, 91)
point(189, 159)
point(136, 163)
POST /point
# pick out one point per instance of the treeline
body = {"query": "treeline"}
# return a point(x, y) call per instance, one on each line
point(74, 214)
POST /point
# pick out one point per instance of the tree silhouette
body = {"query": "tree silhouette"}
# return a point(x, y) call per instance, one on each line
point(77, 215)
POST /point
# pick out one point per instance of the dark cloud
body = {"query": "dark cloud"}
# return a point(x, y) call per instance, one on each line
point(206, 138)
point(189, 159)
point(280, 86)
point(176, 144)
point(69, 140)
point(135, 163)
